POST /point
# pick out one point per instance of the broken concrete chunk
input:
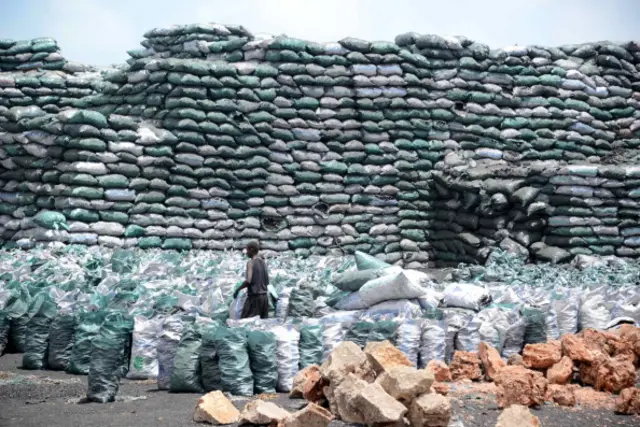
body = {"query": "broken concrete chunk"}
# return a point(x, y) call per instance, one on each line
point(628, 402)
point(262, 413)
point(405, 383)
point(301, 378)
point(541, 356)
point(520, 386)
point(614, 375)
point(517, 416)
point(377, 406)
point(383, 356)
point(346, 358)
point(440, 370)
point(491, 360)
point(311, 415)
point(575, 348)
point(214, 408)
point(561, 372)
point(465, 365)
point(430, 410)
point(563, 395)
point(342, 399)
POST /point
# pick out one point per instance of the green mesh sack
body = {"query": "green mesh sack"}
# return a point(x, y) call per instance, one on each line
point(354, 280)
point(123, 261)
point(88, 328)
point(535, 325)
point(42, 311)
point(359, 333)
point(5, 326)
point(262, 359)
point(367, 262)
point(301, 303)
point(383, 331)
point(310, 345)
point(17, 312)
point(185, 376)
point(61, 332)
point(51, 220)
point(110, 350)
point(236, 375)
point(209, 361)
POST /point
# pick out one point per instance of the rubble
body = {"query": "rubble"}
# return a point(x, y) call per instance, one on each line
point(310, 373)
point(465, 365)
point(342, 399)
point(518, 385)
point(441, 388)
point(563, 395)
point(214, 408)
point(440, 370)
point(405, 383)
point(576, 348)
point(430, 410)
point(515, 360)
point(377, 406)
point(561, 372)
point(346, 358)
point(517, 416)
point(541, 356)
point(491, 360)
point(614, 375)
point(262, 413)
point(311, 415)
point(383, 356)
point(628, 402)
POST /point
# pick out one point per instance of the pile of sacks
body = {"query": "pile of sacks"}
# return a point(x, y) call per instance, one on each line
point(215, 136)
point(26, 55)
point(544, 210)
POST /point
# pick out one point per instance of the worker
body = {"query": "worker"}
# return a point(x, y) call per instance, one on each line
point(256, 282)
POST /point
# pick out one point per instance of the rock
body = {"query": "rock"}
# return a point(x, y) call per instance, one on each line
point(630, 334)
point(346, 358)
point(576, 348)
point(214, 408)
point(561, 372)
point(430, 410)
point(311, 415)
point(563, 395)
point(588, 372)
point(377, 406)
point(628, 402)
point(517, 416)
point(614, 375)
point(342, 401)
point(405, 383)
point(312, 390)
point(491, 360)
point(541, 356)
point(301, 378)
point(441, 388)
point(598, 340)
point(465, 365)
point(520, 386)
point(383, 356)
point(440, 370)
point(262, 413)
point(515, 360)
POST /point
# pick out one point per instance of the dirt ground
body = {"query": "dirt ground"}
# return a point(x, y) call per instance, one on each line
point(47, 398)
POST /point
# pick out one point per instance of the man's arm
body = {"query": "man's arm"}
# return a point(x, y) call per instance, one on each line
point(246, 282)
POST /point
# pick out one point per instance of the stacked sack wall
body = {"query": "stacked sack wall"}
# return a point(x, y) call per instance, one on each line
point(211, 136)
point(543, 209)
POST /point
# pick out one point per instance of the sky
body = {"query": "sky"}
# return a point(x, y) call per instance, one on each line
point(100, 32)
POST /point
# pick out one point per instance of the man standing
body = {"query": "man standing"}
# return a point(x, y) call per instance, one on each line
point(256, 283)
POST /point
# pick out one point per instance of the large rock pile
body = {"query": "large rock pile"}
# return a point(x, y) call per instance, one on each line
point(377, 386)
point(211, 136)
point(554, 371)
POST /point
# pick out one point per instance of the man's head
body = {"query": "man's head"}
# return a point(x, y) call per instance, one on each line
point(252, 249)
